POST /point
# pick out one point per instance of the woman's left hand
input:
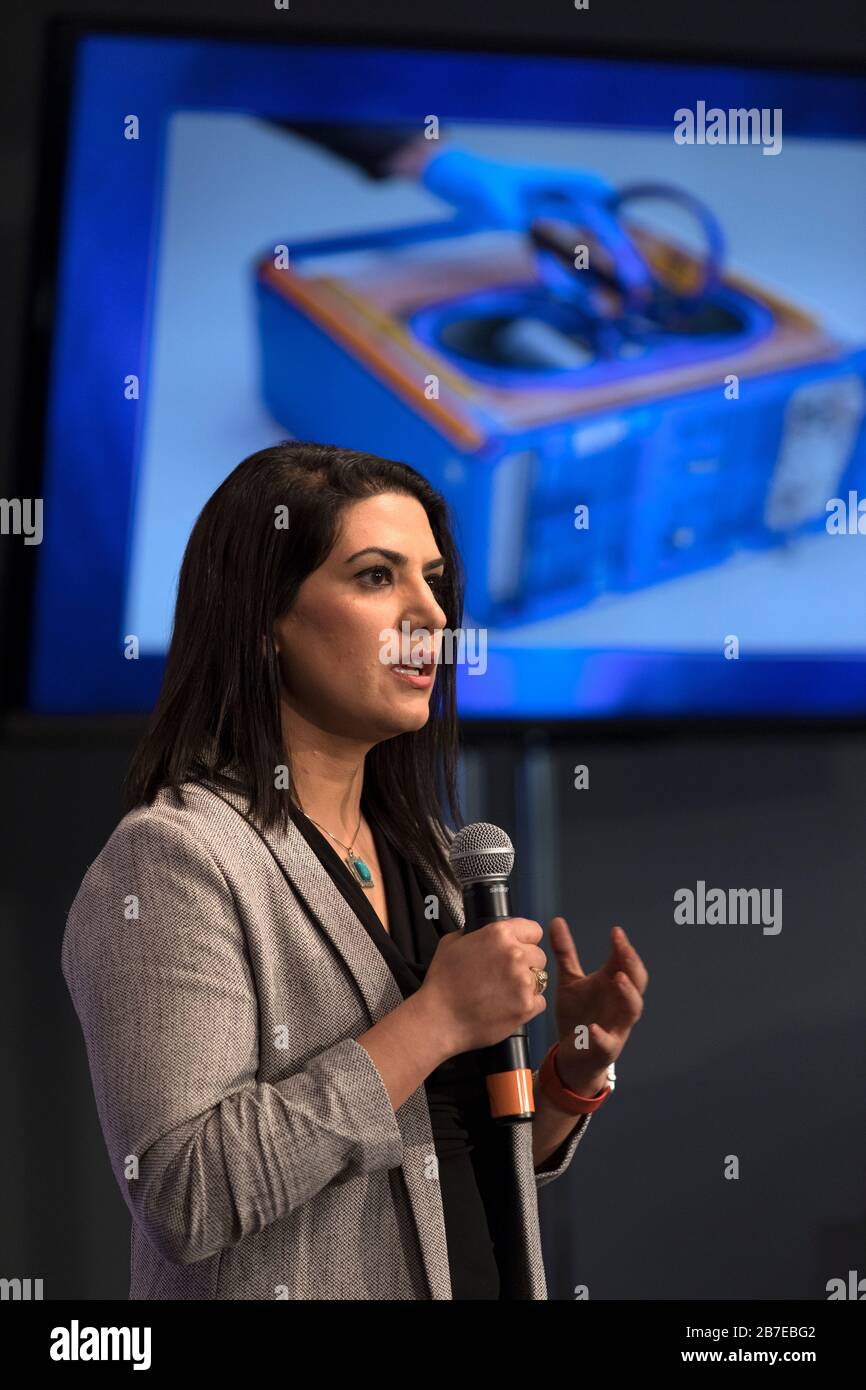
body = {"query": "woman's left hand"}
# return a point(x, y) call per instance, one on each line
point(608, 1002)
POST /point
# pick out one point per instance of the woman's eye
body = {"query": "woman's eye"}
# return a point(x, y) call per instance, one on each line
point(436, 581)
point(376, 569)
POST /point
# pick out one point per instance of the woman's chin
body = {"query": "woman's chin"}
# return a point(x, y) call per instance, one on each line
point(413, 716)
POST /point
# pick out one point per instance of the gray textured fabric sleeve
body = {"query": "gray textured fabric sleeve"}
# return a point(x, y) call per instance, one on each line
point(203, 1153)
point(556, 1163)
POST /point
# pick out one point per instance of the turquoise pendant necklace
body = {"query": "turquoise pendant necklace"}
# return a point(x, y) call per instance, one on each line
point(353, 861)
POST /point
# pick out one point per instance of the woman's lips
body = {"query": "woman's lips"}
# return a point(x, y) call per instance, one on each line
point(420, 677)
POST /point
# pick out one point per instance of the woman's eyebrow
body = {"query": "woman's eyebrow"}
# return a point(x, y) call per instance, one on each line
point(393, 555)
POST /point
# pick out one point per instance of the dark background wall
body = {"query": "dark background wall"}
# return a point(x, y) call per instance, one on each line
point(750, 1045)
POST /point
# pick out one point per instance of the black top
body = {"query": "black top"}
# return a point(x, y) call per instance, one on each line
point(456, 1092)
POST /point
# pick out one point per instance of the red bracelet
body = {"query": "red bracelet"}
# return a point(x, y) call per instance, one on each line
point(560, 1095)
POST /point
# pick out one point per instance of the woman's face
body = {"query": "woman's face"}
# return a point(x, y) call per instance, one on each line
point(335, 669)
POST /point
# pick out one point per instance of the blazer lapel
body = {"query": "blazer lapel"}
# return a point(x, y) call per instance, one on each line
point(453, 897)
point(381, 993)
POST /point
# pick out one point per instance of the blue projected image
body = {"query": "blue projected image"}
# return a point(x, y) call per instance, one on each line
point(632, 366)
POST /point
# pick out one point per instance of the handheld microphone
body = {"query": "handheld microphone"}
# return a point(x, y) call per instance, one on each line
point(482, 857)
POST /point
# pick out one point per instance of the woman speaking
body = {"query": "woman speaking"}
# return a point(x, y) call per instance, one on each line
point(281, 1009)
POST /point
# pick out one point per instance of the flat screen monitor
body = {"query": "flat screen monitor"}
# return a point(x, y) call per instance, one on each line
point(614, 309)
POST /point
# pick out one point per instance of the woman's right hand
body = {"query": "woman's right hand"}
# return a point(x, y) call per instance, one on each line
point(480, 984)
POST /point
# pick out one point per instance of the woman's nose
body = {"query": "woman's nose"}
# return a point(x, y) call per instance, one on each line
point(422, 624)
point(425, 610)
point(427, 619)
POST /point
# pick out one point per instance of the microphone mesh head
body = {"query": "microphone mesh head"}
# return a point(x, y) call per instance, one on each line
point(481, 851)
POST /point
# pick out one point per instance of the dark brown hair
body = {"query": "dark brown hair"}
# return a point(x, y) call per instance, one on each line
point(219, 702)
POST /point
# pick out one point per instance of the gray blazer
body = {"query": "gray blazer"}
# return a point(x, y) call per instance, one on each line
point(221, 980)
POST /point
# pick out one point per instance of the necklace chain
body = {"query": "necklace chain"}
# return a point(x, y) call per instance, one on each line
point(351, 847)
point(355, 863)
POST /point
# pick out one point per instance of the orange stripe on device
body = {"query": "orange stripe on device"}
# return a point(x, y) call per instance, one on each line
point(510, 1092)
